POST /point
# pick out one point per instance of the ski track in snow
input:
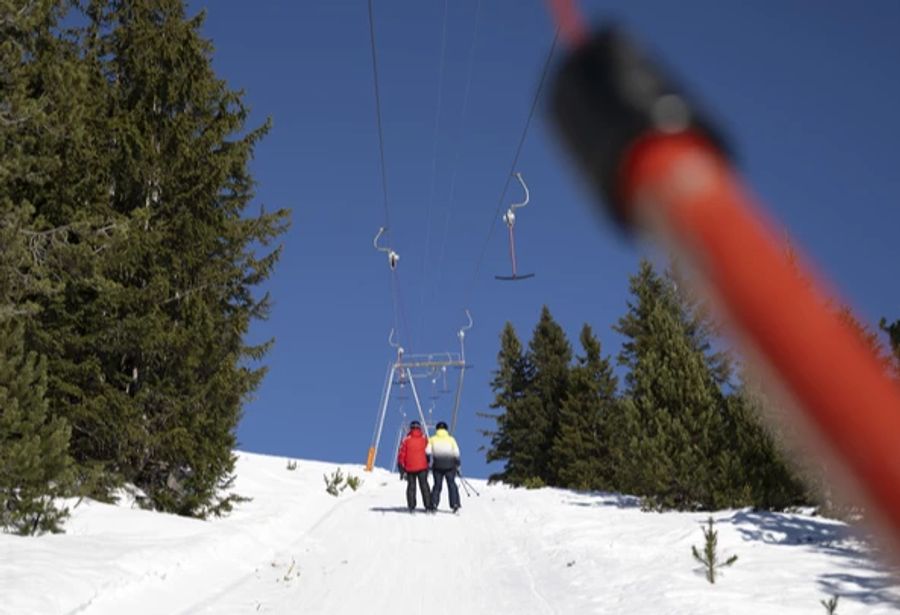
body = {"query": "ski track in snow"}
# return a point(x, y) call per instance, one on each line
point(416, 563)
point(295, 549)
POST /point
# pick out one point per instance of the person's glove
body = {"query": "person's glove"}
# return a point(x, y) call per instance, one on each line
point(402, 473)
point(458, 464)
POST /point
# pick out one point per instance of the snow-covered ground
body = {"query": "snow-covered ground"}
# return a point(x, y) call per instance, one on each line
point(296, 549)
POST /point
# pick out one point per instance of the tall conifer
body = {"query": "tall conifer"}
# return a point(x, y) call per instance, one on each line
point(581, 447)
point(34, 461)
point(549, 354)
point(893, 331)
point(767, 467)
point(185, 280)
point(508, 384)
point(673, 443)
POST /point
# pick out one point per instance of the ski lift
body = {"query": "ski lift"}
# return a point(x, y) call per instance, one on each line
point(401, 381)
point(510, 219)
point(445, 389)
point(402, 395)
point(399, 348)
point(393, 257)
point(461, 334)
point(434, 390)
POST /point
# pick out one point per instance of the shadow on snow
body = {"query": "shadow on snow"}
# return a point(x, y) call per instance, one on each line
point(603, 498)
point(866, 580)
point(404, 510)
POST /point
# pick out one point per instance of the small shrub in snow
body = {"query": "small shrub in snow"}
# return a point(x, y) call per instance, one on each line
point(830, 605)
point(333, 483)
point(710, 558)
point(291, 465)
point(291, 572)
point(535, 482)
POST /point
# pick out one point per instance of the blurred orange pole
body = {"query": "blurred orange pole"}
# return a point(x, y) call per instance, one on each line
point(680, 186)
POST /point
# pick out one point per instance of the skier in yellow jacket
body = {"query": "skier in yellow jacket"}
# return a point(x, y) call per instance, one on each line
point(444, 454)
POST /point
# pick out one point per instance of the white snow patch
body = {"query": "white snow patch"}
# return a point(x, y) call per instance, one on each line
point(296, 549)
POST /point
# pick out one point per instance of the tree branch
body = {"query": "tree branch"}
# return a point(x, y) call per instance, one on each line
point(12, 18)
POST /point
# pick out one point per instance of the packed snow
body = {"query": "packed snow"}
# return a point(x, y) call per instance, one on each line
point(296, 549)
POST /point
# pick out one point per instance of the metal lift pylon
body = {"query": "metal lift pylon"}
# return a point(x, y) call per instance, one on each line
point(412, 367)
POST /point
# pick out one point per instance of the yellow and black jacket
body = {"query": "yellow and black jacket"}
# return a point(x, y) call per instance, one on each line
point(443, 450)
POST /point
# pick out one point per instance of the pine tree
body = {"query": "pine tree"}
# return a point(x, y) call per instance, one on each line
point(672, 444)
point(581, 447)
point(549, 354)
point(893, 331)
point(60, 144)
point(34, 461)
point(508, 384)
point(865, 333)
point(34, 464)
point(183, 283)
point(765, 462)
point(701, 327)
point(145, 205)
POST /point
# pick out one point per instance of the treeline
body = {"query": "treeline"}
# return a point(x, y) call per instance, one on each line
point(684, 430)
point(128, 259)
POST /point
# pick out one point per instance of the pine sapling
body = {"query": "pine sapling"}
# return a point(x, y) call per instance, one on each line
point(291, 465)
point(290, 574)
point(710, 557)
point(353, 482)
point(830, 605)
point(333, 483)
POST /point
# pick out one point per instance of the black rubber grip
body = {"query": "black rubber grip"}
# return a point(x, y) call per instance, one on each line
point(608, 94)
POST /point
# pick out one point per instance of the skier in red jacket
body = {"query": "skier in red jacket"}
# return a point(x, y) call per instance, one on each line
point(413, 462)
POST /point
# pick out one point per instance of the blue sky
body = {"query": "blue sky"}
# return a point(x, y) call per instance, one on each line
point(807, 92)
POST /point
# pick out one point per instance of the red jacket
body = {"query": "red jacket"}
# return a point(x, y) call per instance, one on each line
point(411, 457)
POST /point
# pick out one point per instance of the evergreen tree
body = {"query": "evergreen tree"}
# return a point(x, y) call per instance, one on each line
point(549, 354)
point(865, 333)
point(34, 464)
point(893, 331)
point(34, 461)
point(508, 384)
point(673, 444)
point(61, 145)
point(154, 254)
point(581, 447)
point(766, 466)
point(700, 325)
point(184, 281)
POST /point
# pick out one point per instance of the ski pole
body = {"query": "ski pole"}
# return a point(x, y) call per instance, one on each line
point(468, 484)
point(465, 489)
point(660, 165)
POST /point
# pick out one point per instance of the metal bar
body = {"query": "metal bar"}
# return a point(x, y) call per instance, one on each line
point(512, 250)
point(384, 404)
point(421, 358)
point(384, 388)
point(397, 446)
point(462, 373)
point(457, 399)
point(415, 393)
point(431, 364)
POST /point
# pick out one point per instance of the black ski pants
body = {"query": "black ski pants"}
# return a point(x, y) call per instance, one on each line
point(439, 476)
point(411, 478)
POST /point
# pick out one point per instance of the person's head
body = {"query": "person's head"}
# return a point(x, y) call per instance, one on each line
point(441, 425)
point(413, 425)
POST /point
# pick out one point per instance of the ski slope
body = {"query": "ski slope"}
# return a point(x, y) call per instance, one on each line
point(295, 549)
